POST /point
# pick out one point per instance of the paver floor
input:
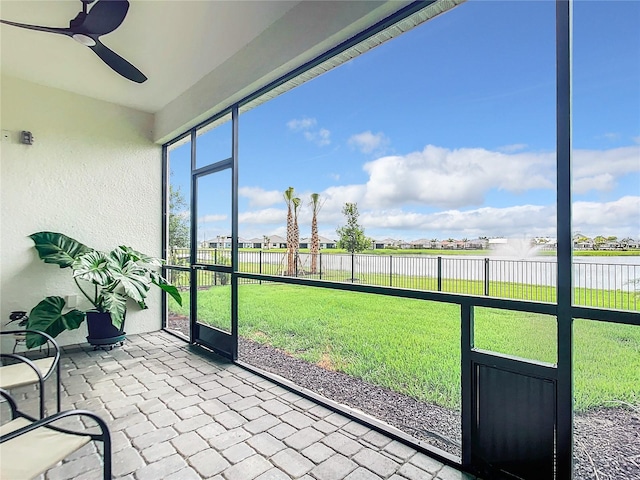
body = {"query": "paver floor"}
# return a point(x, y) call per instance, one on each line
point(175, 414)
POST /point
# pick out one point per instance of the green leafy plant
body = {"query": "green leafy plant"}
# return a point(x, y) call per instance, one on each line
point(111, 279)
point(352, 237)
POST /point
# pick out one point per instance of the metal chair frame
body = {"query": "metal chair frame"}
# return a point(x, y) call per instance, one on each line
point(41, 377)
point(104, 436)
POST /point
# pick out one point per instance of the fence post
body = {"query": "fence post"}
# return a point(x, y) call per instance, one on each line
point(353, 269)
point(320, 261)
point(391, 270)
point(215, 261)
point(486, 277)
point(260, 265)
point(439, 274)
point(296, 263)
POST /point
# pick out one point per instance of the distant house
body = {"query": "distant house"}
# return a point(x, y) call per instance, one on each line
point(224, 241)
point(276, 241)
point(452, 245)
point(586, 244)
point(326, 242)
point(477, 244)
point(386, 243)
point(256, 242)
point(245, 243)
point(611, 245)
point(421, 243)
point(391, 243)
point(221, 241)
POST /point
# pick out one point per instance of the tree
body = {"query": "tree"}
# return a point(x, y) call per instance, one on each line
point(267, 241)
point(315, 238)
point(296, 230)
point(178, 223)
point(598, 242)
point(289, 195)
point(579, 238)
point(352, 237)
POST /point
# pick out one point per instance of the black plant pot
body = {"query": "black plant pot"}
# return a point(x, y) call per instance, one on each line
point(102, 333)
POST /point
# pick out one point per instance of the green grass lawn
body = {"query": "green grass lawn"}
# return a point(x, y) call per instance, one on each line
point(619, 300)
point(413, 346)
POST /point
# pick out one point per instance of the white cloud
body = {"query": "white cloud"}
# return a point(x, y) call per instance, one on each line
point(454, 178)
point(320, 137)
point(602, 182)
point(516, 220)
point(610, 136)
point(459, 178)
point(405, 193)
point(212, 218)
point(619, 217)
point(259, 197)
point(598, 170)
point(335, 198)
point(303, 123)
point(266, 216)
point(368, 142)
point(516, 147)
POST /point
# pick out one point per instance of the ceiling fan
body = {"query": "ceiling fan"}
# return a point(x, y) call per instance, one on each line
point(87, 27)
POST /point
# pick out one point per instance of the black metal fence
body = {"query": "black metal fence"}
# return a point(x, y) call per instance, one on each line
point(604, 285)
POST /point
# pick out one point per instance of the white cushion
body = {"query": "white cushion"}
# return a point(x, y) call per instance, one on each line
point(29, 455)
point(19, 374)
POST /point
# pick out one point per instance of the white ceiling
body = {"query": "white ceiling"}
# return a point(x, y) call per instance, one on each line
point(174, 43)
point(199, 56)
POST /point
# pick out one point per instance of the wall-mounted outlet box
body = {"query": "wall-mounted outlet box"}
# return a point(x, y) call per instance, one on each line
point(71, 301)
point(26, 137)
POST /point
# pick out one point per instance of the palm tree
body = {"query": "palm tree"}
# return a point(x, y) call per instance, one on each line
point(315, 238)
point(296, 230)
point(266, 241)
point(288, 198)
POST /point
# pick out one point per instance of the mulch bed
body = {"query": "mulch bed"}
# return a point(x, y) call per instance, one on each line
point(607, 440)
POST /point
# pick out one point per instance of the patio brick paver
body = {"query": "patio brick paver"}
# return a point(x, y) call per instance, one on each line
point(176, 415)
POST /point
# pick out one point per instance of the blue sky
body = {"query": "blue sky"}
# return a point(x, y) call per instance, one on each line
point(449, 131)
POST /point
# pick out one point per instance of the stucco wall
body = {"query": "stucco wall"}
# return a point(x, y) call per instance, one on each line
point(93, 173)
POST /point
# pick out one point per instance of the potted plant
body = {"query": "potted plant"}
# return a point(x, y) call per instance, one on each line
point(111, 277)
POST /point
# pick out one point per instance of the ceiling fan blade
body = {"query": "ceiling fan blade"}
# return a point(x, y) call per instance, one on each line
point(105, 16)
point(63, 31)
point(117, 63)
